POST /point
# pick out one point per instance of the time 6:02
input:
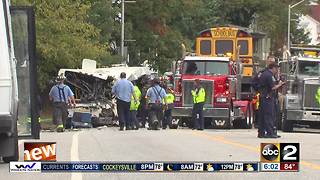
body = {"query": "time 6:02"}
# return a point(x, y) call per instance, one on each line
point(271, 166)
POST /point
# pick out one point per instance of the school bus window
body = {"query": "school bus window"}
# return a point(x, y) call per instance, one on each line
point(243, 47)
point(205, 47)
point(223, 46)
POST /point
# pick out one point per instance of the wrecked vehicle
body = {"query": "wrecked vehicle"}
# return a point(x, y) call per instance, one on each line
point(92, 88)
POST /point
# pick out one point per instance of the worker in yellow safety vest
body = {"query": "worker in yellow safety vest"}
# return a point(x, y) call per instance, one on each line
point(168, 108)
point(134, 105)
point(199, 98)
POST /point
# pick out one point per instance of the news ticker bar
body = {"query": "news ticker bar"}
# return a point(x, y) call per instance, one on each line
point(151, 167)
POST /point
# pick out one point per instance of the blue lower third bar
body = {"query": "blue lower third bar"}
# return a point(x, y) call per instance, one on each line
point(151, 167)
point(88, 167)
point(66, 167)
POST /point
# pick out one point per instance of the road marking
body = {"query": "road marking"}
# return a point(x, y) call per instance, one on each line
point(75, 155)
point(310, 165)
point(248, 147)
point(223, 140)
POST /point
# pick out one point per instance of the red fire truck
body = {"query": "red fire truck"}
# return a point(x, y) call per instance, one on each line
point(223, 62)
point(218, 76)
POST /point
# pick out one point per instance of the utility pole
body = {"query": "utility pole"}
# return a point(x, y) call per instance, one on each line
point(289, 22)
point(122, 28)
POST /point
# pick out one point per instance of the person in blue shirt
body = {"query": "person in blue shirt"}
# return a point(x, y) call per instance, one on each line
point(123, 90)
point(155, 97)
point(61, 95)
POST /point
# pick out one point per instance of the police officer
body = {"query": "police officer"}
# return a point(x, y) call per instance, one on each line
point(123, 89)
point(61, 95)
point(199, 97)
point(267, 105)
point(134, 105)
point(155, 96)
point(168, 109)
point(257, 86)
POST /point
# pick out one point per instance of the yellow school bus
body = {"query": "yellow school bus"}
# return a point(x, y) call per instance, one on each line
point(223, 41)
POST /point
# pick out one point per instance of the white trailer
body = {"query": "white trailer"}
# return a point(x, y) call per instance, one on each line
point(8, 89)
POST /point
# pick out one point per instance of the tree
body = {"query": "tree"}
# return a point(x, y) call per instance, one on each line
point(271, 16)
point(70, 30)
point(159, 28)
point(65, 36)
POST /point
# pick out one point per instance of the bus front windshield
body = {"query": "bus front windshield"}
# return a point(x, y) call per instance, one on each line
point(206, 67)
point(223, 46)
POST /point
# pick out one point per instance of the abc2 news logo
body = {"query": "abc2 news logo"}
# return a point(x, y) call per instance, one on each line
point(40, 151)
point(279, 152)
point(286, 155)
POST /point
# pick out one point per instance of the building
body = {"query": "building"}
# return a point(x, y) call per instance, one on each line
point(311, 23)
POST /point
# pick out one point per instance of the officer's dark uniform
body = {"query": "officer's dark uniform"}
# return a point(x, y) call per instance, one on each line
point(267, 104)
point(261, 128)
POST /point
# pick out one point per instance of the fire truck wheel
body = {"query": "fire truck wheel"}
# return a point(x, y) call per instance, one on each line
point(249, 118)
point(287, 126)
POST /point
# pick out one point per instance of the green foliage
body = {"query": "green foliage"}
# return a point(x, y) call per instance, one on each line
point(270, 16)
point(160, 27)
point(70, 30)
point(65, 36)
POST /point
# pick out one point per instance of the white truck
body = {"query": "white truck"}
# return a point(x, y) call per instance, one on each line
point(301, 95)
point(8, 89)
point(17, 78)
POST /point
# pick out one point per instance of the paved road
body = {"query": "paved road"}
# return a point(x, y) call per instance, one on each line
point(108, 144)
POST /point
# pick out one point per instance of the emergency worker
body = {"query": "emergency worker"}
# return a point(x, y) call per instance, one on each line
point(123, 89)
point(199, 98)
point(134, 105)
point(155, 96)
point(61, 95)
point(168, 108)
point(257, 86)
point(267, 104)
